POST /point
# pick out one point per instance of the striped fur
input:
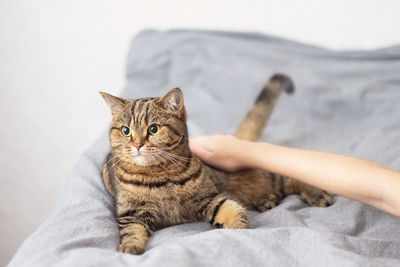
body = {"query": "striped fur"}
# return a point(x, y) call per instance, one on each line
point(164, 184)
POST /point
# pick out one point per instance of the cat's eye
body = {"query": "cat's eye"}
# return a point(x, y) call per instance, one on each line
point(154, 129)
point(126, 131)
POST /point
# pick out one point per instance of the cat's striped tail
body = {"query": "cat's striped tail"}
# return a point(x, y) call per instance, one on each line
point(256, 119)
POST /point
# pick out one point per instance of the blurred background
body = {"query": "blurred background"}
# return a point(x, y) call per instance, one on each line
point(56, 55)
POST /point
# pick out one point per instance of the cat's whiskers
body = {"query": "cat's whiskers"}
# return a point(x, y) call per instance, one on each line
point(175, 156)
point(163, 152)
point(154, 156)
point(174, 161)
point(162, 158)
point(169, 162)
point(104, 165)
point(158, 157)
point(124, 151)
point(112, 166)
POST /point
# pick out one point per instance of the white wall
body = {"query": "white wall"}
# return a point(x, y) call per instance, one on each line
point(56, 55)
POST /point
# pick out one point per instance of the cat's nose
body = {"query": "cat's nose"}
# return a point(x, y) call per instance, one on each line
point(138, 145)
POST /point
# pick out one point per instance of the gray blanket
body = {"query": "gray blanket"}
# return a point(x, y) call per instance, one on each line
point(346, 102)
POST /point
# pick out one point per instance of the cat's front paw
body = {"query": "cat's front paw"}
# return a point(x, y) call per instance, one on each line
point(231, 215)
point(131, 247)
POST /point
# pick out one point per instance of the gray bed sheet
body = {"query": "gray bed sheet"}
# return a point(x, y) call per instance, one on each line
point(345, 102)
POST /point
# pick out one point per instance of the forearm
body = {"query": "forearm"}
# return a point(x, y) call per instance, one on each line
point(354, 178)
point(357, 179)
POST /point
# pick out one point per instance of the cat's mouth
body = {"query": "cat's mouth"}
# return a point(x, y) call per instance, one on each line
point(145, 158)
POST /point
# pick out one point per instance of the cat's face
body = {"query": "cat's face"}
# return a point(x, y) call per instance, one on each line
point(148, 131)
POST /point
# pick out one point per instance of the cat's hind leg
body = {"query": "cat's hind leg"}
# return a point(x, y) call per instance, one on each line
point(314, 196)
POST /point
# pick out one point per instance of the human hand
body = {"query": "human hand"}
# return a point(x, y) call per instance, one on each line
point(222, 151)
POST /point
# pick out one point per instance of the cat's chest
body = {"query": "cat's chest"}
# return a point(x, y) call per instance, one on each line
point(162, 192)
point(168, 202)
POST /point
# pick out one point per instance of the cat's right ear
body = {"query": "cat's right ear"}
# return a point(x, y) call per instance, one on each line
point(116, 104)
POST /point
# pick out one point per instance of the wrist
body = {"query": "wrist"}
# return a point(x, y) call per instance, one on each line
point(245, 154)
point(257, 154)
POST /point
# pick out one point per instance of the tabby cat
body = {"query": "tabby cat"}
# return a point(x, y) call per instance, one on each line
point(157, 182)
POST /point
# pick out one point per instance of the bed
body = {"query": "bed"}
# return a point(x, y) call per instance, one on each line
point(345, 102)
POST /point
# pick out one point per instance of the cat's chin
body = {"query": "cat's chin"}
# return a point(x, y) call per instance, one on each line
point(142, 161)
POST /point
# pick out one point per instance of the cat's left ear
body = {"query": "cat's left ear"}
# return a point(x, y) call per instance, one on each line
point(116, 104)
point(173, 100)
